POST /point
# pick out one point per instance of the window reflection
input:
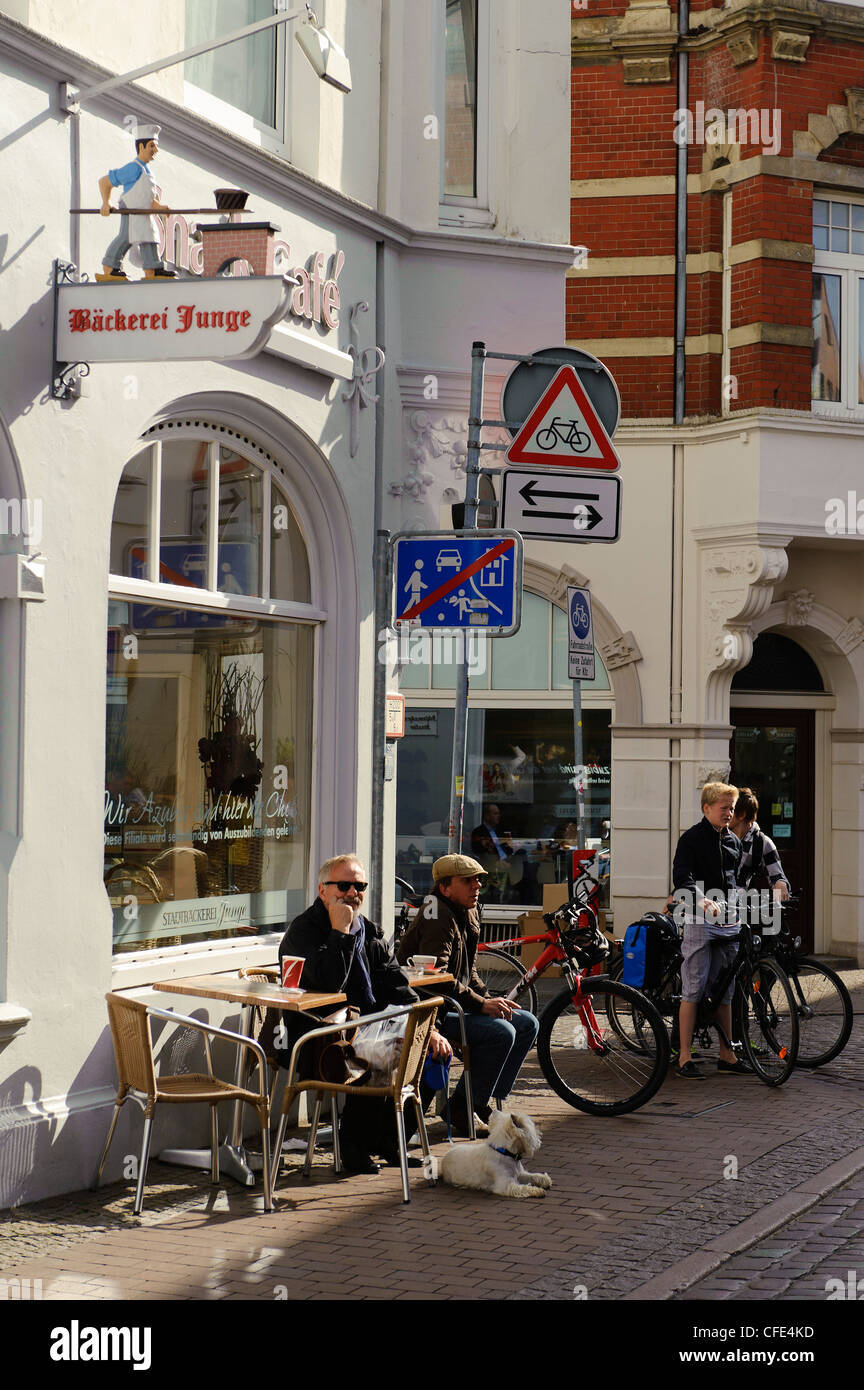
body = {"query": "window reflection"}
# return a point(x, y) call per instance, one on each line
point(460, 100)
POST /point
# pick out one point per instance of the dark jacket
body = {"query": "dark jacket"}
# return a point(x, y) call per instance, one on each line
point(707, 857)
point(451, 934)
point(329, 956)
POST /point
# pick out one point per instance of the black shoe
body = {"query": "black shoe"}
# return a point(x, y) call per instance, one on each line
point(459, 1123)
point(391, 1158)
point(354, 1160)
point(162, 274)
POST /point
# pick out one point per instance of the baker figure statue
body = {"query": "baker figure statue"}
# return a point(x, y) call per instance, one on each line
point(137, 228)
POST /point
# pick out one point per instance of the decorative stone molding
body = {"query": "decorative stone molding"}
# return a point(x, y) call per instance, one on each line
point(647, 68)
point(855, 108)
point(738, 582)
point(13, 1020)
point(790, 45)
point(712, 772)
point(431, 438)
point(825, 128)
point(851, 636)
point(619, 653)
point(799, 606)
point(743, 47)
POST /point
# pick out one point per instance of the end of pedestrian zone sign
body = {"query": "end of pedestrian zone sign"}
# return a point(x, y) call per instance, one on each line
point(564, 429)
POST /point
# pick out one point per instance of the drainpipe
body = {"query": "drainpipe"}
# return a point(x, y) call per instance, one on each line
point(681, 219)
point(382, 617)
point(676, 616)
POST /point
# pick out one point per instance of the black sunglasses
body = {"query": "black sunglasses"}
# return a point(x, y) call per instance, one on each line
point(343, 884)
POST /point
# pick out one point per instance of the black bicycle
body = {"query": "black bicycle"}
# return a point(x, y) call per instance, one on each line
point(823, 1003)
point(764, 1011)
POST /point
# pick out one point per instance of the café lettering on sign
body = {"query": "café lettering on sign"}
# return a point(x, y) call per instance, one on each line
point(169, 320)
point(315, 296)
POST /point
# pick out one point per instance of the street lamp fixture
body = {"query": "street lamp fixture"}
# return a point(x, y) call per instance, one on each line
point(321, 49)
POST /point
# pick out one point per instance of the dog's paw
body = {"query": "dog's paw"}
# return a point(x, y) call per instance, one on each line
point(540, 1180)
point(524, 1190)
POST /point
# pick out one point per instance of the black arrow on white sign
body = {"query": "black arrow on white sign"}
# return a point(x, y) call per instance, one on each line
point(584, 518)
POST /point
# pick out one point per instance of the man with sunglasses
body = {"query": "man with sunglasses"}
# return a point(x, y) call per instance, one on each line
point(345, 953)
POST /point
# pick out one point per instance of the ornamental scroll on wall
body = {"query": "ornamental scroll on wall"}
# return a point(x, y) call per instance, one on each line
point(367, 361)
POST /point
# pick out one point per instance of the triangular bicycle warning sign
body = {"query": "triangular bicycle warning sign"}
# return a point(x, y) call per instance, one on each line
point(564, 429)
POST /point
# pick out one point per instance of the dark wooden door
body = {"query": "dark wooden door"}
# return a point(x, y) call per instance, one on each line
point(772, 753)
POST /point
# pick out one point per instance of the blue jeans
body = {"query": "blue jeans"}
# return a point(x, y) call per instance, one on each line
point(498, 1049)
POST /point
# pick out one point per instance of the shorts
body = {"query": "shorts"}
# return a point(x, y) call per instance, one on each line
point(703, 963)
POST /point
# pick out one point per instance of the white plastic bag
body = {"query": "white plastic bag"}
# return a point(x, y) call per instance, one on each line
point(379, 1044)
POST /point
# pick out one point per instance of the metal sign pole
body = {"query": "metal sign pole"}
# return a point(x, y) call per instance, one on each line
point(472, 493)
point(579, 760)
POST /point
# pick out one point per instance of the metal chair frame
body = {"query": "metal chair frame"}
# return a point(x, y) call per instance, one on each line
point(149, 1097)
point(402, 1089)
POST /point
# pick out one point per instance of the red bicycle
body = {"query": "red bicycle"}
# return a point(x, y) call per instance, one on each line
point(585, 1056)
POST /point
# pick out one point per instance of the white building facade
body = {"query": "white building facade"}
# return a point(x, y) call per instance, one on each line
point(210, 521)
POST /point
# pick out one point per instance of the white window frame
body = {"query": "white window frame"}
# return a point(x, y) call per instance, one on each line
point(142, 966)
point(455, 210)
point(274, 139)
point(849, 266)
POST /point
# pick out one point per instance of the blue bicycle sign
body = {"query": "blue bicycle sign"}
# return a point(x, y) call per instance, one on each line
point(581, 643)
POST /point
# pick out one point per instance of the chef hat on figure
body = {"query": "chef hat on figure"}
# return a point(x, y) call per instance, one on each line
point(145, 130)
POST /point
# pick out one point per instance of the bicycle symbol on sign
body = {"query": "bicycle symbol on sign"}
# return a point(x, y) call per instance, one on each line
point(564, 432)
point(580, 617)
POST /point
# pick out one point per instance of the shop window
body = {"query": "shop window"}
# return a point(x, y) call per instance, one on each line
point(209, 703)
point(520, 766)
point(838, 303)
point(779, 664)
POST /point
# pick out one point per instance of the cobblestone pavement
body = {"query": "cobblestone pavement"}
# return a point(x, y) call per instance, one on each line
point(819, 1255)
point(645, 1206)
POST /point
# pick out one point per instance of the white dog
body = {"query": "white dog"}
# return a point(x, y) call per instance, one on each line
point(495, 1164)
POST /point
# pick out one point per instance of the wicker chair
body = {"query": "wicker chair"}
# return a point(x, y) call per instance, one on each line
point(133, 1049)
point(404, 1085)
point(264, 974)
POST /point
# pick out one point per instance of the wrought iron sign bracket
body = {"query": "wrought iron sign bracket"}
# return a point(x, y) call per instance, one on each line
point(65, 376)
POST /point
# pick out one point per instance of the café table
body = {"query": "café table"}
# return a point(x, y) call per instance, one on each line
point(228, 988)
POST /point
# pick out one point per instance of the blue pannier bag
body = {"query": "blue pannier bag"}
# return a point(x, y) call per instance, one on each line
point(645, 944)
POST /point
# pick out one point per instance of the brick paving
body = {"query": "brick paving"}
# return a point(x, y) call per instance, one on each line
point(641, 1206)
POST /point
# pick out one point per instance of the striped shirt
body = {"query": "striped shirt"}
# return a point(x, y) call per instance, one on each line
point(750, 861)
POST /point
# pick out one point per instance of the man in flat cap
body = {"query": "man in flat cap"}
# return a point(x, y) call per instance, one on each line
point(139, 201)
point(500, 1034)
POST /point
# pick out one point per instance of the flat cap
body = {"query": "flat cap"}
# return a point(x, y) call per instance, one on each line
point(456, 866)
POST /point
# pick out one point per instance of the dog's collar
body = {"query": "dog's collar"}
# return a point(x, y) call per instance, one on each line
point(505, 1152)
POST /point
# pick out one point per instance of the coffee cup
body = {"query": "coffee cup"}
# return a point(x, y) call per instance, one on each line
point(422, 964)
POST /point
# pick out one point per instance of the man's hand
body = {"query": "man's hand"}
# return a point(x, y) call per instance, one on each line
point(781, 891)
point(156, 206)
point(499, 1008)
point(439, 1046)
point(709, 908)
point(341, 917)
point(105, 210)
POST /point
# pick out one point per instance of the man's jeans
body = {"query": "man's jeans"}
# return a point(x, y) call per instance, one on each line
point(121, 244)
point(498, 1049)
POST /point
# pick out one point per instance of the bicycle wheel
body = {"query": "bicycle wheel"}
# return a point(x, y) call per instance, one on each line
point(501, 974)
point(768, 1021)
point(618, 1077)
point(547, 439)
point(824, 1011)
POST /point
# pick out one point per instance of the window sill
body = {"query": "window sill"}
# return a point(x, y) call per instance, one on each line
point(139, 969)
point(451, 215)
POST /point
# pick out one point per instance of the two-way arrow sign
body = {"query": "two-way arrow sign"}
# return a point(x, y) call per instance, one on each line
point(575, 506)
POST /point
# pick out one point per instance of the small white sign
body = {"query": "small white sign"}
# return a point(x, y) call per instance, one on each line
point(581, 635)
point(169, 320)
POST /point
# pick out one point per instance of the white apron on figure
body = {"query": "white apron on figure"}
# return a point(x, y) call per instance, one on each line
point(141, 195)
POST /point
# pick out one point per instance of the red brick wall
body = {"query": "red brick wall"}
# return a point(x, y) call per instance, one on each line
point(623, 130)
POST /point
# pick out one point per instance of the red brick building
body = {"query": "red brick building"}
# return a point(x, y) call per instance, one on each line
point(717, 182)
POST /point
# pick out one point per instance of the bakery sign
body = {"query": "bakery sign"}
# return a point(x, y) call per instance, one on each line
point(169, 320)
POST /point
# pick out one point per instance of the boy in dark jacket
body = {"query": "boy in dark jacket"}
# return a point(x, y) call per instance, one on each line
point(706, 863)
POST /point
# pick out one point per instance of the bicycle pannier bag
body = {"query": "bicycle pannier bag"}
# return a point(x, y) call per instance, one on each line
point(643, 952)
